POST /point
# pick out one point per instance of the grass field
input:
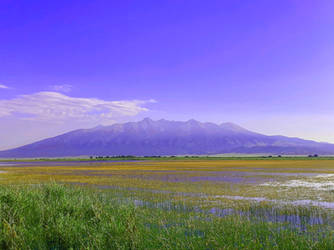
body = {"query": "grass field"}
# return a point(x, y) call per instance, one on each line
point(169, 204)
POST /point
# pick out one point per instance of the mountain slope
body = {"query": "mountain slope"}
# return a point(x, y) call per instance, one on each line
point(163, 137)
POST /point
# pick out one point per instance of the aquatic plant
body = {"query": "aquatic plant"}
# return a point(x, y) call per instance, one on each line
point(67, 217)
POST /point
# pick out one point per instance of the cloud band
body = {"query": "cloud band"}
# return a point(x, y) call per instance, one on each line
point(53, 106)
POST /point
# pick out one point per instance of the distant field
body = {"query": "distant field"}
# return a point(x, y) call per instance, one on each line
point(177, 202)
point(172, 158)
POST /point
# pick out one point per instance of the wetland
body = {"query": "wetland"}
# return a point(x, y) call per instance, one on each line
point(198, 203)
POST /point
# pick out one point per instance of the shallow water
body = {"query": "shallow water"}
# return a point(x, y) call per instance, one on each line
point(178, 177)
point(245, 177)
point(323, 204)
point(59, 163)
point(5, 164)
point(273, 215)
point(160, 185)
point(210, 175)
point(304, 203)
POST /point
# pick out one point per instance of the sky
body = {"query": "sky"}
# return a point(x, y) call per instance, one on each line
point(265, 65)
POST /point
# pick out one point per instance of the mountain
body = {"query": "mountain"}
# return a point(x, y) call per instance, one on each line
point(162, 137)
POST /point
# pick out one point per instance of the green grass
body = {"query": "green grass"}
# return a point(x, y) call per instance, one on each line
point(54, 216)
point(136, 209)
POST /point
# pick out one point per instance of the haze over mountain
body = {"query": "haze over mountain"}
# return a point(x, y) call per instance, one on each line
point(162, 137)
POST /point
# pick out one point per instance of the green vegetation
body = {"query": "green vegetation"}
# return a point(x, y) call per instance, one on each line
point(65, 217)
point(183, 203)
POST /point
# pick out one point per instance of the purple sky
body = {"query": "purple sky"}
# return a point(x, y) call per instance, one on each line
point(266, 65)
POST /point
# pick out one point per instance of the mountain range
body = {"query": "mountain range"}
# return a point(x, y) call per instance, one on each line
point(162, 137)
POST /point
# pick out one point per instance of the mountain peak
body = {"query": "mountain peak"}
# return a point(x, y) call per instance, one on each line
point(232, 126)
point(99, 127)
point(163, 137)
point(147, 119)
point(192, 122)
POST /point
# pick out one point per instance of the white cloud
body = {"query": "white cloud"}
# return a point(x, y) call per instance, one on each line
point(56, 107)
point(66, 88)
point(3, 86)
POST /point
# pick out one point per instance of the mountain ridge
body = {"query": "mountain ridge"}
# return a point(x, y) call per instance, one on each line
point(163, 137)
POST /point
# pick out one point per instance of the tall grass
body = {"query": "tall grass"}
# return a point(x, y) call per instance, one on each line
point(55, 216)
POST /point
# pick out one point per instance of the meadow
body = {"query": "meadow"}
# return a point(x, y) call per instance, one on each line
point(183, 203)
